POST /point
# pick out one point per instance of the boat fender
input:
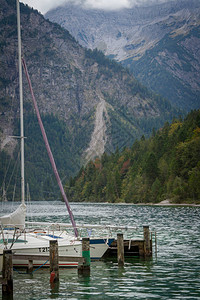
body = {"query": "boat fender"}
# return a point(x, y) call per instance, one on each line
point(52, 277)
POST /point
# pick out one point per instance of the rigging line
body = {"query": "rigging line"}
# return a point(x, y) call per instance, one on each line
point(13, 198)
point(15, 180)
point(54, 188)
point(28, 201)
point(7, 170)
point(17, 160)
point(54, 192)
point(49, 151)
point(3, 237)
point(49, 177)
point(13, 238)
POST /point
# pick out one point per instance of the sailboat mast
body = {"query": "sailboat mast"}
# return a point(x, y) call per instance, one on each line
point(21, 105)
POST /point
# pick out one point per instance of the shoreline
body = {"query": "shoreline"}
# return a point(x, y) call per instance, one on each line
point(162, 203)
point(168, 203)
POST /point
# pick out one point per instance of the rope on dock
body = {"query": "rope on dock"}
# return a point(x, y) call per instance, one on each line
point(40, 266)
point(19, 271)
point(33, 271)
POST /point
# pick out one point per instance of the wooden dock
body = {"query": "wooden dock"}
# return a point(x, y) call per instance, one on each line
point(7, 272)
point(119, 249)
point(133, 247)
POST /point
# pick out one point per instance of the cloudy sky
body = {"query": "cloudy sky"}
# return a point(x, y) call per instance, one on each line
point(44, 5)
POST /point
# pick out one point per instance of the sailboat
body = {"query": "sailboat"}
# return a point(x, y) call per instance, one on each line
point(14, 233)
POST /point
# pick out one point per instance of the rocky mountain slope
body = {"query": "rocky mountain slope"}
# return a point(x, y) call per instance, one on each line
point(159, 43)
point(89, 103)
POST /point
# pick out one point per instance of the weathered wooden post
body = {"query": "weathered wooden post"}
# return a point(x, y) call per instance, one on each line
point(54, 263)
point(84, 269)
point(155, 244)
point(7, 274)
point(147, 245)
point(30, 266)
point(120, 249)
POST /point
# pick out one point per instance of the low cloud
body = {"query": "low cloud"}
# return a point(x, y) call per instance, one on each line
point(117, 4)
point(46, 5)
point(107, 5)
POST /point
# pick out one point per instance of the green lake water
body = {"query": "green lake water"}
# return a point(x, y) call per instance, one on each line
point(174, 273)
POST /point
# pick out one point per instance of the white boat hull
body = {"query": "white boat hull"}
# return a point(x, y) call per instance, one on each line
point(37, 243)
point(65, 250)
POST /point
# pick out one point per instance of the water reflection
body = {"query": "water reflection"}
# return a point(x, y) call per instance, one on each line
point(54, 290)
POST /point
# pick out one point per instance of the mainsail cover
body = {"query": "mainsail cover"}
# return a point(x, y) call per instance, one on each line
point(16, 218)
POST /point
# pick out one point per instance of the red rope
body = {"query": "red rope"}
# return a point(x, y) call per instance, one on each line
point(49, 150)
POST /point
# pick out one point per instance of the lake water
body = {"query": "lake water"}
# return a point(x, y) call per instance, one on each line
point(173, 274)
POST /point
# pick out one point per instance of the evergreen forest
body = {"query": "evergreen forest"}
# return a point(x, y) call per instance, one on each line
point(165, 166)
point(38, 171)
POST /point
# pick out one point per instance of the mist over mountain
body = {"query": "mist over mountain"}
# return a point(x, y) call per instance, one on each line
point(158, 42)
point(46, 5)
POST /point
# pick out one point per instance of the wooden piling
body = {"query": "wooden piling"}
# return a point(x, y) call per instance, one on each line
point(84, 269)
point(54, 263)
point(30, 266)
point(155, 244)
point(120, 249)
point(147, 245)
point(7, 274)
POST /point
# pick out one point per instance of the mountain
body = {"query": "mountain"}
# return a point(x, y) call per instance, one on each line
point(89, 103)
point(165, 166)
point(158, 43)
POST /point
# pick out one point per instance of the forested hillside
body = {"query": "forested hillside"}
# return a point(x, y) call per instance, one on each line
point(40, 177)
point(165, 166)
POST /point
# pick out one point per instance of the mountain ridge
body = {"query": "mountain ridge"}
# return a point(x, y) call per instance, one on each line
point(132, 37)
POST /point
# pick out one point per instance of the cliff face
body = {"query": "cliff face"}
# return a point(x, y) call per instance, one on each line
point(132, 36)
point(172, 68)
point(95, 103)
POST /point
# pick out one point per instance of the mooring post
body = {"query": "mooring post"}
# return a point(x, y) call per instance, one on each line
point(147, 246)
point(30, 266)
point(84, 269)
point(120, 249)
point(54, 263)
point(7, 274)
point(155, 244)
